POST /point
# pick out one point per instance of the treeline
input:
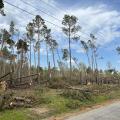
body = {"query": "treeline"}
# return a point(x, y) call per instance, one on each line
point(21, 55)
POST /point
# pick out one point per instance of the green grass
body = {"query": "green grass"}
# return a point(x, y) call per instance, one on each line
point(58, 104)
point(16, 114)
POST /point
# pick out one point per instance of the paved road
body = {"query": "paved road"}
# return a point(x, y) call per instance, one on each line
point(110, 112)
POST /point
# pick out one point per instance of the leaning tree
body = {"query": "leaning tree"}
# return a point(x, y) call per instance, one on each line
point(53, 46)
point(86, 49)
point(93, 47)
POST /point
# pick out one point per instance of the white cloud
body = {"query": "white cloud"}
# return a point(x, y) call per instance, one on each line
point(72, 61)
point(94, 19)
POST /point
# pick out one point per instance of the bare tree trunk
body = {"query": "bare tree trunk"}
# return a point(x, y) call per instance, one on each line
point(4, 68)
point(95, 59)
point(38, 59)
point(53, 58)
point(38, 48)
point(70, 54)
point(30, 61)
point(92, 61)
point(38, 67)
point(2, 44)
point(47, 73)
point(96, 67)
point(34, 56)
point(88, 59)
point(21, 64)
point(35, 59)
point(58, 55)
point(11, 70)
point(47, 55)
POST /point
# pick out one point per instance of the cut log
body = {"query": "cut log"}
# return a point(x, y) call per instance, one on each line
point(25, 76)
point(4, 76)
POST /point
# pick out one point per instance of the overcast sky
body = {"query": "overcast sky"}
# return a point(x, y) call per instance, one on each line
point(100, 17)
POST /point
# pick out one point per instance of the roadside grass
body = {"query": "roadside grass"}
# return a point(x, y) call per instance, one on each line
point(15, 114)
point(58, 104)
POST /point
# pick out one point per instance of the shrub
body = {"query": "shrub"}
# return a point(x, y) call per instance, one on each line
point(78, 95)
point(57, 83)
point(73, 104)
point(5, 99)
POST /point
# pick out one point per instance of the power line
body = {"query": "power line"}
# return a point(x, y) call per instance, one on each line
point(53, 7)
point(66, 12)
point(30, 13)
point(60, 9)
point(35, 15)
point(46, 13)
point(39, 10)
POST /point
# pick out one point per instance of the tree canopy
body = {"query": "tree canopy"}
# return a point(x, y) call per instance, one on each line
point(1, 4)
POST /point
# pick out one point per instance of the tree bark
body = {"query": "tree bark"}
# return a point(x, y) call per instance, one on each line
point(53, 58)
point(70, 53)
point(38, 48)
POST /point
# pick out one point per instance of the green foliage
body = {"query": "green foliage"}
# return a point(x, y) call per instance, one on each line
point(74, 104)
point(118, 50)
point(70, 26)
point(12, 29)
point(77, 95)
point(5, 52)
point(1, 4)
point(1, 8)
point(17, 114)
point(22, 45)
point(58, 104)
point(100, 98)
point(30, 30)
point(5, 99)
point(65, 54)
point(53, 44)
point(85, 46)
point(57, 83)
point(38, 21)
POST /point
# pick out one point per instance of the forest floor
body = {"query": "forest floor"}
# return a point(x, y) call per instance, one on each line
point(51, 105)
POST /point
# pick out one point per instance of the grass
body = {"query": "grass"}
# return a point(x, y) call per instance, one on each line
point(62, 104)
point(16, 114)
point(59, 104)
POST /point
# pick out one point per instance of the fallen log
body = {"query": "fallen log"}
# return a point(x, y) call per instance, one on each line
point(19, 104)
point(23, 99)
point(20, 85)
point(77, 89)
point(25, 76)
point(4, 76)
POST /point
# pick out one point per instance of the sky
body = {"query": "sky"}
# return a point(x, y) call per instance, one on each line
point(99, 17)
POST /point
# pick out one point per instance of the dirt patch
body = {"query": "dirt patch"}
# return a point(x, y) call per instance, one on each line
point(39, 110)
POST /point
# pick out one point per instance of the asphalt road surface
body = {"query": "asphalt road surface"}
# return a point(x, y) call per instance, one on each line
point(109, 112)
